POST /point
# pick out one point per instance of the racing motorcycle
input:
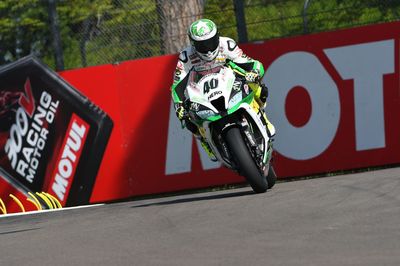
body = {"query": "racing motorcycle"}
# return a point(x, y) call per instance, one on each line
point(222, 104)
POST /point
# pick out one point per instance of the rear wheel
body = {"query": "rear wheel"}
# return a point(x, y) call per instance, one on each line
point(244, 160)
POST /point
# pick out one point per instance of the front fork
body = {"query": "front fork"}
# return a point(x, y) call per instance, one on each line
point(262, 159)
point(262, 154)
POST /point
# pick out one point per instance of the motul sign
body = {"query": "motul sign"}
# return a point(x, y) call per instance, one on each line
point(69, 156)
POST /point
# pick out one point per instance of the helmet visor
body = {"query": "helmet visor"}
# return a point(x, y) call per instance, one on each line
point(206, 46)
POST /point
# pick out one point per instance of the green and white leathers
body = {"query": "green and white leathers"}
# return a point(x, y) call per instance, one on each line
point(203, 35)
point(217, 92)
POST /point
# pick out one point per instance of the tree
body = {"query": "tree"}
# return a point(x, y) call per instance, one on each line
point(174, 19)
point(96, 32)
point(23, 29)
point(55, 32)
point(81, 20)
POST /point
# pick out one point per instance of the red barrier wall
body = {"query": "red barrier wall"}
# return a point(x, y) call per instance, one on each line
point(342, 152)
point(343, 131)
point(134, 162)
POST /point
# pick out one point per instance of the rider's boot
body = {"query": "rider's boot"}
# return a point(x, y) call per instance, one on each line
point(261, 95)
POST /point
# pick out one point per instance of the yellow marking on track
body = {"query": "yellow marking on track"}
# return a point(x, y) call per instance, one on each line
point(3, 207)
point(55, 200)
point(39, 206)
point(51, 201)
point(34, 203)
point(45, 199)
point(18, 202)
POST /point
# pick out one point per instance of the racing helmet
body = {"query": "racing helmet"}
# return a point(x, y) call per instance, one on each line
point(204, 37)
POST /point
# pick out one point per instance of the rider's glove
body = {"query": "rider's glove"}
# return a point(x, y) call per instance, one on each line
point(253, 76)
point(180, 111)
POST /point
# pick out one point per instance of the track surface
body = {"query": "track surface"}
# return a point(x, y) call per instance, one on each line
point(343, 220)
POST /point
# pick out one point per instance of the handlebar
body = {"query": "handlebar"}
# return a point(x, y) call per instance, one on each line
point(237, 69)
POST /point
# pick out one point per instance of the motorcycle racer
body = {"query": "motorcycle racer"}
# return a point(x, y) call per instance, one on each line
point(208, 53)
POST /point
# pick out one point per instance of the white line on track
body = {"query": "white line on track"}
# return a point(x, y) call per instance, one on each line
point(48, 210)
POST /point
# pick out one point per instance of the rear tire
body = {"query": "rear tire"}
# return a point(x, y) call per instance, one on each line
point(244, 160)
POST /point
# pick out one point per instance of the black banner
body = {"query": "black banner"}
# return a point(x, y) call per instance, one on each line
point(52, 138)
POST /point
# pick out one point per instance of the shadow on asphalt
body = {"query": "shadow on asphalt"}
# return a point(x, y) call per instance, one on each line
point(18, 231)
point(198, 198)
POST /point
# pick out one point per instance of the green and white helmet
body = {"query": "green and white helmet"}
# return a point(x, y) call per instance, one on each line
point(204, 37)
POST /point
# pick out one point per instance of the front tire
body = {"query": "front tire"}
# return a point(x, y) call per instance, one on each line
point(271, 177)
point(244, 160)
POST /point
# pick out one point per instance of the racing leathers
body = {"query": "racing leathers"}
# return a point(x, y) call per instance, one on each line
point(189, 60)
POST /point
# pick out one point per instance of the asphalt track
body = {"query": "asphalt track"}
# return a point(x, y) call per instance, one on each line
point(342, 220)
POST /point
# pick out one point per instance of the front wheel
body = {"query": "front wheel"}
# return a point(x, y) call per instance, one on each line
point(271, 177)
point(244, 160)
